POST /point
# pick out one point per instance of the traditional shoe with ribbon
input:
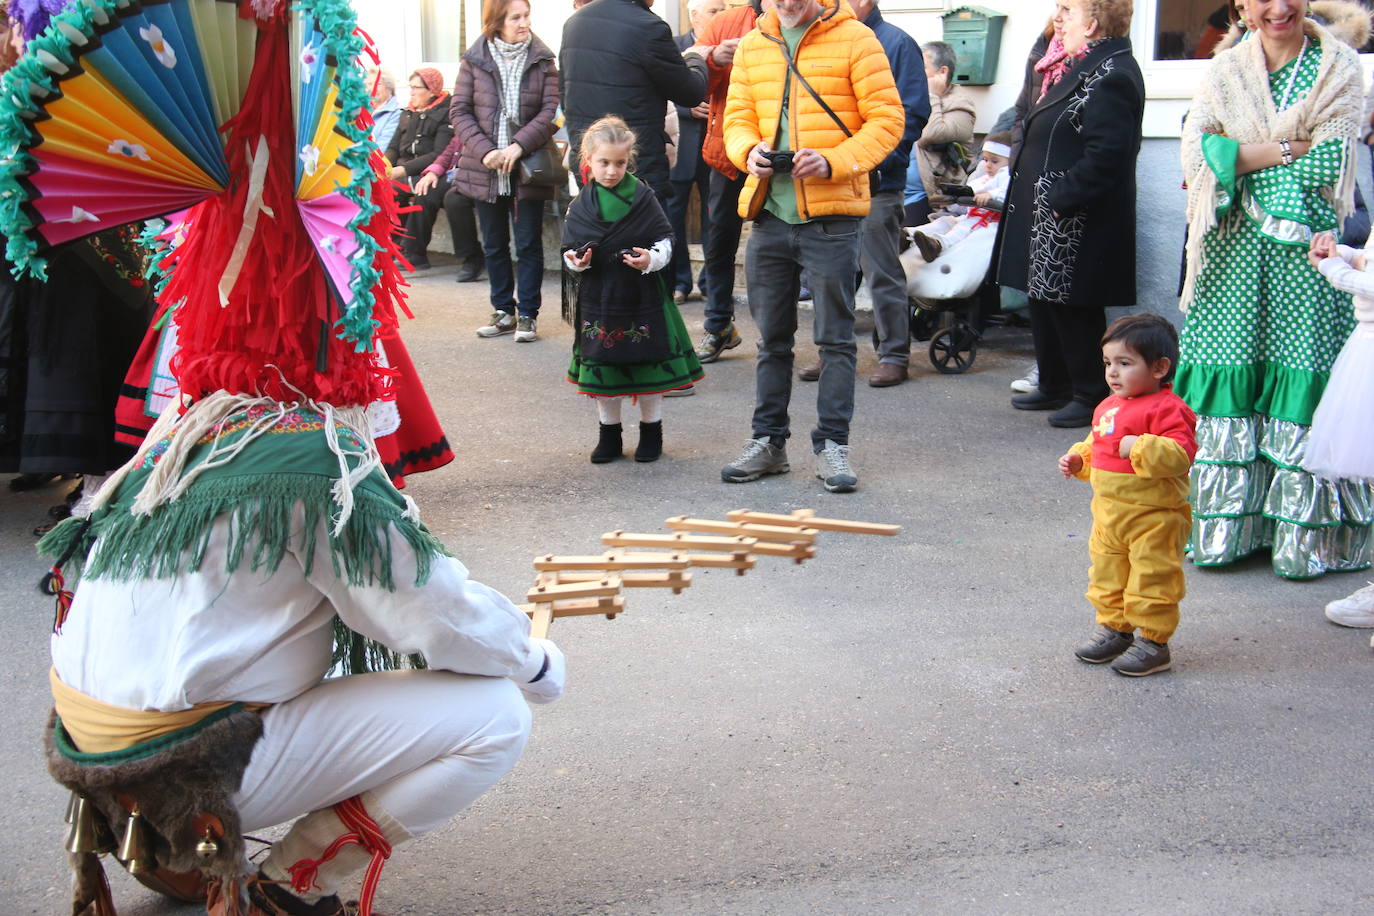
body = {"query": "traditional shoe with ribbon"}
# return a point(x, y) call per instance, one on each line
point(326, 847)
point(258, 895)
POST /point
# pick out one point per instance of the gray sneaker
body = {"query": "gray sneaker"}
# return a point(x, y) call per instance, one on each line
point(500, 323)
point(1105, 645)
point(832, 466)
point(759, 457)
point(1145, 656)
point(525, 330)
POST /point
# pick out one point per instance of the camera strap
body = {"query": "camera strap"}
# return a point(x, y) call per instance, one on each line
point(787, 91)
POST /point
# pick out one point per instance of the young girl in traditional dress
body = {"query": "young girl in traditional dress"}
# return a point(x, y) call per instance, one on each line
point(629, 340)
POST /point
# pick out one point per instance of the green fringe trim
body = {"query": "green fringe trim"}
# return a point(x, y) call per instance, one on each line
point(176, 536)
point(175, 539)
point(157, 272)
point(337, 23)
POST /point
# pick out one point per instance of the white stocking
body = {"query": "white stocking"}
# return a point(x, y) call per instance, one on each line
point(650, 408)
point(608, 410)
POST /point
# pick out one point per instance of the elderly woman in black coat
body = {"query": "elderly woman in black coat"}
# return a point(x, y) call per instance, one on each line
point(421, 135)
point(1068, 235)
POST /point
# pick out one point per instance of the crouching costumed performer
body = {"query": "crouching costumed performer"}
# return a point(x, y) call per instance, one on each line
point(263, 630)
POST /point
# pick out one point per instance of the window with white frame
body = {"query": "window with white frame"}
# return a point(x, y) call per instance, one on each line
point(1173, 41)
point(1166, 35)
point(1188, 29)
point(443, 30)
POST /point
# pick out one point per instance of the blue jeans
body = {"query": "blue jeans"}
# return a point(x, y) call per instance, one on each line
point(718, 251)
point(829, 249)
point(496, 219)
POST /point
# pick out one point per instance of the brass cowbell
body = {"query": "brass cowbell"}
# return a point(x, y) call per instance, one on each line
point(208, 847)
point(135, 849)
point(84, 835)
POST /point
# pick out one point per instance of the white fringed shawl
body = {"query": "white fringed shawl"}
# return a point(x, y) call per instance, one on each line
point(1234, 100)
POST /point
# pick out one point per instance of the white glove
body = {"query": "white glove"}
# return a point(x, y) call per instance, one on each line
point(548, 686)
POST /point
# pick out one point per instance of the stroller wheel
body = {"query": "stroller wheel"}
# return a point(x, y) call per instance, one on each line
point(953, 350)
point(923, 323)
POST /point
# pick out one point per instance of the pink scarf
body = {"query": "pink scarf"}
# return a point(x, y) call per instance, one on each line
point(1057, 62)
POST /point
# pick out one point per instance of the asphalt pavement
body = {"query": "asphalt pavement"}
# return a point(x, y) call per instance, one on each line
point(897, 726)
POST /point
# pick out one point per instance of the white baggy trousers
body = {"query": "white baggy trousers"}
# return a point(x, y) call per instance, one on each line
point(419, 746)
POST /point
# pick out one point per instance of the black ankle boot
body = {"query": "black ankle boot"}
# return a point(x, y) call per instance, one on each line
point(609, 447)
point(650, 441)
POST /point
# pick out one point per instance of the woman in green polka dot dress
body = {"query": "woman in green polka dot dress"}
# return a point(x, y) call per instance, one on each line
point(1269, 157)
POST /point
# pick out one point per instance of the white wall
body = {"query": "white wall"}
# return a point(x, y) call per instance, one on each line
point(1025, 19)
point(395, 25)
point(395, 28)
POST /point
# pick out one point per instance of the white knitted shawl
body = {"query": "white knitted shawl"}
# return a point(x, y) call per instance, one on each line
point(1234, 100)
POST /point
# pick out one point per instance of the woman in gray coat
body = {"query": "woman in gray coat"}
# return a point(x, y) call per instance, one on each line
point(503, 110)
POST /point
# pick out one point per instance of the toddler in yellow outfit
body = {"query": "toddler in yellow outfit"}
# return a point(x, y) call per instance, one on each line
point(1137, 456)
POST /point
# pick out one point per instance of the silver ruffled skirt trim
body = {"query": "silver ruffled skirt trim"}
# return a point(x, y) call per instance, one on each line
point(1277, 228)
point(1249, 492)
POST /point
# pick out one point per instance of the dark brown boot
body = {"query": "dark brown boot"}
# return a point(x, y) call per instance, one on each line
point(888, 374)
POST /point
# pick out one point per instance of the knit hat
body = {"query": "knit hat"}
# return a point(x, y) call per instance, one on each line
point(433, 79)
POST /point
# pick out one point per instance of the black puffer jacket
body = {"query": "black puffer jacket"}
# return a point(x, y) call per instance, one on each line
point(420, 137)
point(617, 58)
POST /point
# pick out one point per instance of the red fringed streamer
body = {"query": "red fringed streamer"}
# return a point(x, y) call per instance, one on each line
point(267, 339)
point(58, 586)
point(370, 49)
point(364, 832)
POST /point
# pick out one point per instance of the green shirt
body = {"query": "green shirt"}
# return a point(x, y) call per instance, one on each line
point(782, 192)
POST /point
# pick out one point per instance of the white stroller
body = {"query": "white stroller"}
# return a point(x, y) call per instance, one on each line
point(946, 293)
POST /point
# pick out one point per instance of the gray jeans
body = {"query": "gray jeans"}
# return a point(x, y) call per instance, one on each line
point(828, 248)
point(878, 257)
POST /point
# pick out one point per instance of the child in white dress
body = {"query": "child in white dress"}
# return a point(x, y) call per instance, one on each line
point(1341, 444)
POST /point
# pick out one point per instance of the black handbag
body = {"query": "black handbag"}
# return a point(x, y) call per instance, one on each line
point(543, 168)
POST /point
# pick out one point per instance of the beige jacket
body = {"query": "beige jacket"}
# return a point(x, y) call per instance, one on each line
point(951, 121)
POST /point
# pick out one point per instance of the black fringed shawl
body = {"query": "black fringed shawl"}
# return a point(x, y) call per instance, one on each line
point(616, 311)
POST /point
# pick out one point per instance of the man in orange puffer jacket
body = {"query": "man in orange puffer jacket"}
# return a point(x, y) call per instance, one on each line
point(813, 81)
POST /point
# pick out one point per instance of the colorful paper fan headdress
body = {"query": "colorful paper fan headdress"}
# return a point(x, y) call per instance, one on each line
point(253, 120)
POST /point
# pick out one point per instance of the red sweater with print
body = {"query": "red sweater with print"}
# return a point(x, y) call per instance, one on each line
point(1156, 472)
point(1160, 414)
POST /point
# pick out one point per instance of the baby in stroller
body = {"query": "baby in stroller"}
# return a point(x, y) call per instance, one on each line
point(948, 260)
point(987, 186)
point(950, 254)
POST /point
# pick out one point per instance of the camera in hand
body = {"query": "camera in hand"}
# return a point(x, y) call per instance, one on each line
point(779, 160)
